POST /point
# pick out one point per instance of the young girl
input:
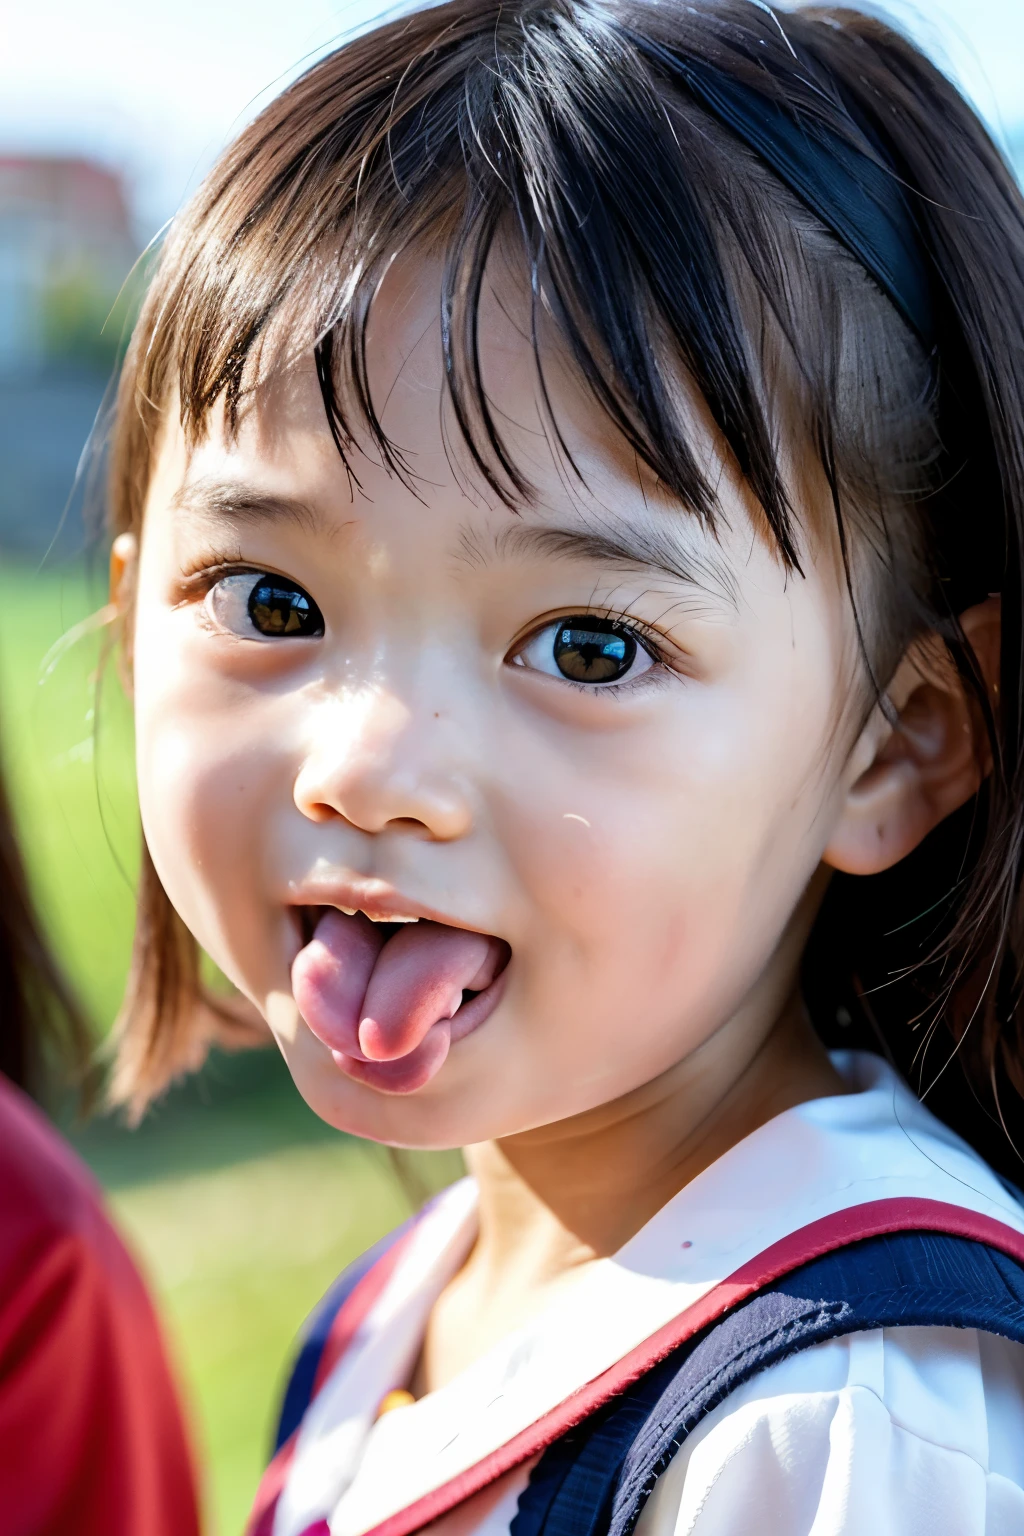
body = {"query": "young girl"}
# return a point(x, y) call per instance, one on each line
point(569, 496)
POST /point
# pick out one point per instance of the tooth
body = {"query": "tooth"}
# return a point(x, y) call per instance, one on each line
point(348, 911)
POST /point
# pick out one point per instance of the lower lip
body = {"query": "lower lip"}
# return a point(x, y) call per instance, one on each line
point(465, 1022)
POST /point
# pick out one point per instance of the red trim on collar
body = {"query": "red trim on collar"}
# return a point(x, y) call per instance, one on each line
point(350, 1317)
point(872, 1219)
point(261, 1516)
point(357, 1306)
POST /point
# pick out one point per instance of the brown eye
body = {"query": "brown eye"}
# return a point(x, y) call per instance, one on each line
point(591, 655)
point(586, 649)
point(279, 607)
point(264, 608)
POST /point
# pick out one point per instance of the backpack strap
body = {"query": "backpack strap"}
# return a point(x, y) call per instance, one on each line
point(596, 1480)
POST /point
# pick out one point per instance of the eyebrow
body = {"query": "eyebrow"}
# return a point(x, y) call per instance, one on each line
point(238, 501)
point(622, 547)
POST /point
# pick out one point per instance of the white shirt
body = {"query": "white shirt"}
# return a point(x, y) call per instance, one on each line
point(900, 1432)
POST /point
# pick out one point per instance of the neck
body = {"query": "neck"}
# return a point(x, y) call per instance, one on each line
point(555, 1197)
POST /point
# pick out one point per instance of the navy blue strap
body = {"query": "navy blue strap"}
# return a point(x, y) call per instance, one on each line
point(596, 1481)
point(571, 1491)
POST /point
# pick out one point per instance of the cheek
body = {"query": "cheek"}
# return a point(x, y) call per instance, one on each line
point(209, 778)
point(670, 861)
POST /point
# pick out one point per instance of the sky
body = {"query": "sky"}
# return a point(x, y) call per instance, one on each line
point(157, 87)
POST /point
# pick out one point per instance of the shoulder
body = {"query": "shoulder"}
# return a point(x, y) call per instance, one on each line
point(66, 1279)
point(907, 1430)
point(43, 1184)
point(52, 1222)
point(439, 1233)
point(88, 1411)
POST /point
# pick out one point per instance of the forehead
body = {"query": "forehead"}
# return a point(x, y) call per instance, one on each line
point(580, 472)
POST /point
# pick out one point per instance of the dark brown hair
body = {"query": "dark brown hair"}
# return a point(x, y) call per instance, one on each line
point(562, 137)
point(44, 1041)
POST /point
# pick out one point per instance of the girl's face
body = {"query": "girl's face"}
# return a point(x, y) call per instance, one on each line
point(589, 731)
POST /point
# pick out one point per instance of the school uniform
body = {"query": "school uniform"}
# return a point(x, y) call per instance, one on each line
point(696, 1383)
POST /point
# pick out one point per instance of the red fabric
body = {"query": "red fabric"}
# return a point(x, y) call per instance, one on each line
point(91, 1436)
point(268, 1494)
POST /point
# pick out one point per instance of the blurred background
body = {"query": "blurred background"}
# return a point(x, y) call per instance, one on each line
point(241, 1205)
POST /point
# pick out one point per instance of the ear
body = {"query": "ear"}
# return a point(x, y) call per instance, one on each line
point(124, 558)
point(908, 776)
point(124, 563)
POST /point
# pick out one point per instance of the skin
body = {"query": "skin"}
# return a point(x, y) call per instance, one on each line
point(653, 854)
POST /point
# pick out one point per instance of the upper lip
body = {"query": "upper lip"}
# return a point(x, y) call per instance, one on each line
point(377, 898)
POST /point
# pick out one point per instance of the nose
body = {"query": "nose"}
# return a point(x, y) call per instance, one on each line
point(380, 767)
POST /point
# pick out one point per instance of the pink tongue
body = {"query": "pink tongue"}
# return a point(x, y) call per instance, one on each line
point(372, 1001)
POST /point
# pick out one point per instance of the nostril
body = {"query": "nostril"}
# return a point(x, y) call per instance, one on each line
point(319, 810)
point(408, 824)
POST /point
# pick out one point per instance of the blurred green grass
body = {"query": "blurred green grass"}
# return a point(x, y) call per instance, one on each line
point(240, 1204)
point(70, 777)
point(239, 1255)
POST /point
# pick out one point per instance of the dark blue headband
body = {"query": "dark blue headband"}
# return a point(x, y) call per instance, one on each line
point(852, 191)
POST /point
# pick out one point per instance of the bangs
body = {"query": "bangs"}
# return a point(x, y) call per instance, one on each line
point(674, 255)
point(640, 229)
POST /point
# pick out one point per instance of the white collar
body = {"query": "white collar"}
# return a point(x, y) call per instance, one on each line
point(876, 1143)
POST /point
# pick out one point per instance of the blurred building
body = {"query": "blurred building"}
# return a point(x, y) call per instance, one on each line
point(66, 247)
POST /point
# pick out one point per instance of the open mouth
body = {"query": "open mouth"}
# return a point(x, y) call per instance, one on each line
point(389, 996)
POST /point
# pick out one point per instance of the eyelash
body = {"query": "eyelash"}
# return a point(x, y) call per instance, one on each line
point(654, 678)
point(657, 676)
point(206, 570)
